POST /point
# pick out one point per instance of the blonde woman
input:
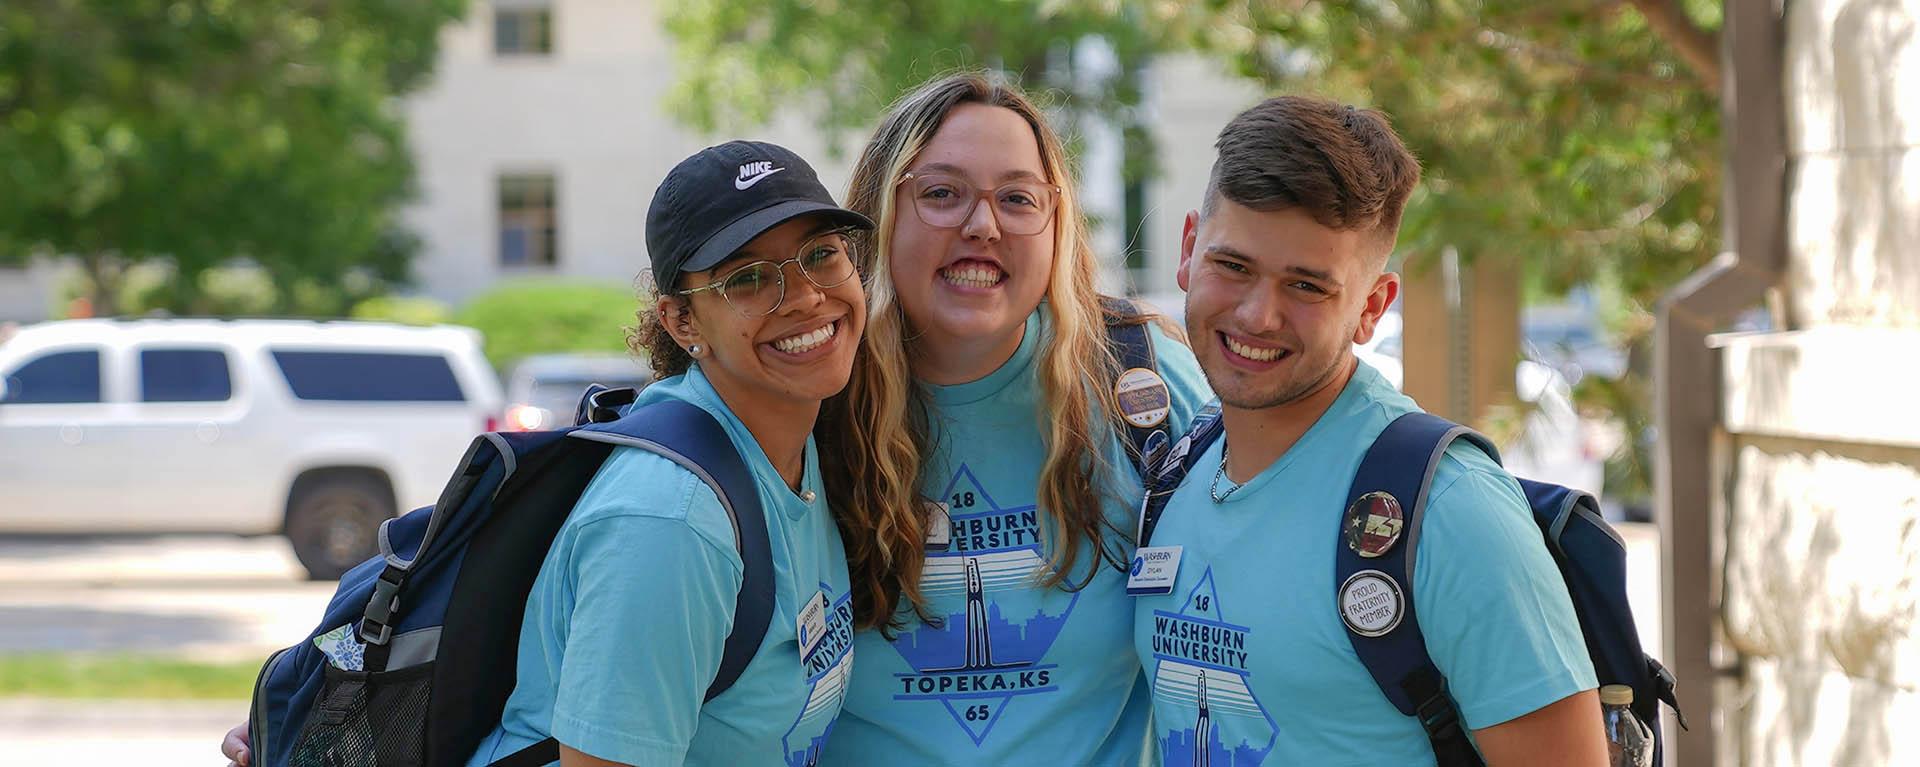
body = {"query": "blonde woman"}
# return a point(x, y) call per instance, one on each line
point(979, 463)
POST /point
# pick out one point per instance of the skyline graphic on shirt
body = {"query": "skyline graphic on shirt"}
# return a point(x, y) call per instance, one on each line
point(1201, 666)
point(984, 653)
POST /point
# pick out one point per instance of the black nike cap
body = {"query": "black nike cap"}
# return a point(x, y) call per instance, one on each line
point(718, 200)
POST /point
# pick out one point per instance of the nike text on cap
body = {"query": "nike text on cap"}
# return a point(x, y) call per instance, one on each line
point(718, 200)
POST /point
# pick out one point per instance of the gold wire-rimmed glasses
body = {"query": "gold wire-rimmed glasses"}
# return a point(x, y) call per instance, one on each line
point(758, 288)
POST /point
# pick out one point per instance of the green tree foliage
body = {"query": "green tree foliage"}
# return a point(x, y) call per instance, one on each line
point(536, 317)
point(1578, 140)
point(846, 60)
point(200, 131)
point(1572, 137)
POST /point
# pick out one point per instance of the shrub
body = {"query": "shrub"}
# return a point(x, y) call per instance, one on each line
point(523, 318)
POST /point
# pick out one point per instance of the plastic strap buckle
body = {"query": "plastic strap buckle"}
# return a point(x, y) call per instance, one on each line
point(381, 608)
point(1437, 714)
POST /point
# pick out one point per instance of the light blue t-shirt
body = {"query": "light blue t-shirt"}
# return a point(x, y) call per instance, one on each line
point(1248, 656)
point(1016, 674)
point(627, 621)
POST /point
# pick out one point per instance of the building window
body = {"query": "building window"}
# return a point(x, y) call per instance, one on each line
point(522, 28)
point(527, 221)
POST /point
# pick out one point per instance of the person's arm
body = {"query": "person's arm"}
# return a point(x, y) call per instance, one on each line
point(1563, 734)
point(652, 604)
point(1499, 624)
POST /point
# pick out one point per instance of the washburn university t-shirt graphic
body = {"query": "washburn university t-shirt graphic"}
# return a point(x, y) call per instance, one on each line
point(637, 593)
point(980, 658)
point(1248, 658)
point(1201, 660)
point(1009, 672)
point(827, 666)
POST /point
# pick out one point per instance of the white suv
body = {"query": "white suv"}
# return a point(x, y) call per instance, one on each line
point(317, 430)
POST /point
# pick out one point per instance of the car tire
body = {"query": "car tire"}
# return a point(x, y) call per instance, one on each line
point(334, 521)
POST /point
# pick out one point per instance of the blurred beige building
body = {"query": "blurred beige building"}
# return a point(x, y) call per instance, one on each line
point(543, 132)
point(1791, 460)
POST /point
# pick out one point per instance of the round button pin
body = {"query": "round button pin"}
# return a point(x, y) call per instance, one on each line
point(1373, 524)
point(1371, 603)
point(1143, 397)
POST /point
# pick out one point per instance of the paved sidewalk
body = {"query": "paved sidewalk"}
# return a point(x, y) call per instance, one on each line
point(208, 598)
point(97, 733)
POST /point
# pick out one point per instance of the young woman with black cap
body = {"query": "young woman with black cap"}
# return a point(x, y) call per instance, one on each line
point(757, 319)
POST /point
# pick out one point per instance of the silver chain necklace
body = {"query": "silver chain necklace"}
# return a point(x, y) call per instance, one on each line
point(1213, 490)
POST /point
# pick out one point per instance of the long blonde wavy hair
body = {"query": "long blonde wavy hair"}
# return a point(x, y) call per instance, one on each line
point(875, 437)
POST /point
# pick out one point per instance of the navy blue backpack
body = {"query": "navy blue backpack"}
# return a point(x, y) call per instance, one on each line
point(1400, 464)
point(439, 612)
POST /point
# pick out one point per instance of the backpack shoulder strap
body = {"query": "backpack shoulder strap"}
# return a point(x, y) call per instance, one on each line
point(1166, 475)
point(1374, 568)
point(1144, 399)
point(689, 436)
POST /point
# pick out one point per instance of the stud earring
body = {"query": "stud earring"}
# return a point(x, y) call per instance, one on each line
point(694, 350)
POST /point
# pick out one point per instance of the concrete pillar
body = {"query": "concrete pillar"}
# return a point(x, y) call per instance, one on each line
point(1460, 336)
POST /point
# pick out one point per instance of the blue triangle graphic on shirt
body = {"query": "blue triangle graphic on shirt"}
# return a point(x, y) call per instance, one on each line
point(1204, 599)
point(981, 657)
point(1222, 699)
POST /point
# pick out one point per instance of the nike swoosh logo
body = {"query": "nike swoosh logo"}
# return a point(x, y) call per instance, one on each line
point(743, 183)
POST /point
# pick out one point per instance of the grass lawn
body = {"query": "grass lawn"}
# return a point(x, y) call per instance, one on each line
point(75, 675)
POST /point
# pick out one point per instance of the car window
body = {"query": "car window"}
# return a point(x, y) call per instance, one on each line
point(562, 396)
point(369, 376)
point(184, 375)
point(60, 377)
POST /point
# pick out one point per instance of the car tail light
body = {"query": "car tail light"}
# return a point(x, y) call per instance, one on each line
point(493, 424)
point(526, 417)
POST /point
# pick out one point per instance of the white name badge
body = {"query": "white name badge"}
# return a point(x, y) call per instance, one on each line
point(1153, 570)
point(811, 627)
point(939, 527)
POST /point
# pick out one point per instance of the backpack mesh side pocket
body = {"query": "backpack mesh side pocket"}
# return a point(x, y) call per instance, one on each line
point(363, 719)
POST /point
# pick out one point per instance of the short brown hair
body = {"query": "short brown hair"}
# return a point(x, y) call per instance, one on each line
point(1341, 165)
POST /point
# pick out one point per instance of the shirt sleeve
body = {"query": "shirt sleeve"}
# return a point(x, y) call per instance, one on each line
point(1185, 383)
point(1492, 604)
point(653, 603)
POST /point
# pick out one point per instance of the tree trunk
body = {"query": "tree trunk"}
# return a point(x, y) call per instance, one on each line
point(1698, 47)
point(104, 272)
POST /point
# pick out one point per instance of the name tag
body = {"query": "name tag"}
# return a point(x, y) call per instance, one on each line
point(1153, 571)
point(811, 627)
point(939, 527)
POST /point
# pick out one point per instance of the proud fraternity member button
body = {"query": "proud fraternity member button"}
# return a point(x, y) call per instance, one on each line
point(1371, 603)
point(1373, 524)
point(1143, 397)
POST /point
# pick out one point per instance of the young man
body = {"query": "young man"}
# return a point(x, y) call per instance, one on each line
point(1250, 660)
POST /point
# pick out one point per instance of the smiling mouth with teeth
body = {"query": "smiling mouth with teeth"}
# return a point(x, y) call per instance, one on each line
point(973, 276)
point(808, 341)
point(1252, 353)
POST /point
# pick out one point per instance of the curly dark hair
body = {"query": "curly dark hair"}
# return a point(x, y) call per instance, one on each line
point(650, 338)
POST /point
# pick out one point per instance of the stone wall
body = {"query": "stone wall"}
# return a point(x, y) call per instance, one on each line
point(1822, 559)
point(1852, 89)
point(1821, 449)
